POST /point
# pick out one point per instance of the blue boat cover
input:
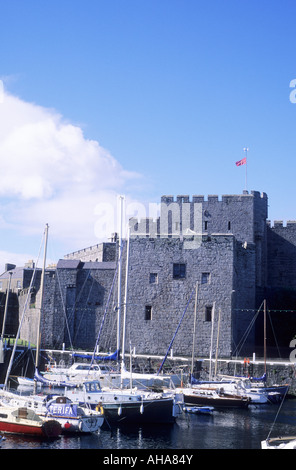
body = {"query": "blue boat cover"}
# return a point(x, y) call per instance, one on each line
point(112, 357)
point(39, 378)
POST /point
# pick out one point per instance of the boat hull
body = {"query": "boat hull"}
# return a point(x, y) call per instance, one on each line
point(192, 399)
point(155, 411)
point(276, 393)
point(279, 443)
point(198, 409)
point(85, 425)
point(124, 406)
point(47, 429)
point(72, 418)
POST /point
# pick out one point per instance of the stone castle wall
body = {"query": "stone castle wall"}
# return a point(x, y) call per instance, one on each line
point(282, 254)
point(152, 284)
point(226, 246)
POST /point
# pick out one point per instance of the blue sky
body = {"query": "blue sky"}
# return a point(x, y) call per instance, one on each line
point(142, 98)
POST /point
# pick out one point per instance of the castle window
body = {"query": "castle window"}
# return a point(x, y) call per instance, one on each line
point(179, 271)
point(148, 312)
point(153, 278)
point(229, 225)
point(208, 313)
point(206, 225)
point(205, 278)
point(33, 299)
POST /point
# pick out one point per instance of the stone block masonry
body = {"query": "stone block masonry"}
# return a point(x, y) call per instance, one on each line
point(162, 276)
point(226, 245)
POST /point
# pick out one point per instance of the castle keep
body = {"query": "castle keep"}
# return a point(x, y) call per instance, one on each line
point(224, 246)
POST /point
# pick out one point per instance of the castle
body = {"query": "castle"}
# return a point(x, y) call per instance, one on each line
point(208, 261)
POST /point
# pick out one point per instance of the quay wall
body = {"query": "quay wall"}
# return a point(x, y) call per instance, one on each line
point(226, 245)
point(278, 372)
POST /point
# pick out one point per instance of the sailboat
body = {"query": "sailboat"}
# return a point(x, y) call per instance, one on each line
point(281, 442)
point(21, 420)
point(215, 398)
point(253, 388)
point(125, 405)
point(81, 371)
point(78, 372)
point(67, 416)
point(288, 442)
point(275, 392)
point(71, 417)
point(5, 386)
point(212, 396)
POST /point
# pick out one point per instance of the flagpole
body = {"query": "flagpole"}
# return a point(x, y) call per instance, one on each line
point(246, 149)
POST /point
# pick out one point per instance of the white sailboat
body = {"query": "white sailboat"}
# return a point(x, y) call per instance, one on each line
point(256, 389)
point(68, 415)
point(288, 442)
point(123, 406)
point(71, 417)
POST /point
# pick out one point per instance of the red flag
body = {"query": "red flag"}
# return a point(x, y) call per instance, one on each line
point(241, 162)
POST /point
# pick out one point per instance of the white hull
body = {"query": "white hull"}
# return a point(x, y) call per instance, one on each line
point(127, 405)
point(71, 418)
point(279, 443)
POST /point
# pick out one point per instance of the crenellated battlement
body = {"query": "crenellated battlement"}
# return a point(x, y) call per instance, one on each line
point(280, 224)
point(243, 216)
point(213, 198)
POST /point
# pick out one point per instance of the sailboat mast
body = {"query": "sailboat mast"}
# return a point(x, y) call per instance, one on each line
point(41, 300)
point(4, 321)
point(6, 306)
point(119, 274)
point(212, 335)
point(264, 336)
point(125, 299)
point(217, 345)
point(194, 329)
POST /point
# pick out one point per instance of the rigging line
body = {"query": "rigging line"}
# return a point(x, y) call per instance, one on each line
point(276, 416)
point(273, 331)
point(110, 322)
point(114, 302)
point(271, 310)
point(84, 310)
point(108, 342)
point(72, 310)
point(22, 317)
point(171, 343)
point(70, 317)
point(245, 335)
point(59, 337)
point(104, 316)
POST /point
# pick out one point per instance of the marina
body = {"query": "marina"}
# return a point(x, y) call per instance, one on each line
point(148, 229)
point(197, 425)
point(226, 429)
point(198, 404)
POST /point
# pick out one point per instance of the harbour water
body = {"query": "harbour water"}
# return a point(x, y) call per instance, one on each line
point(228, 429)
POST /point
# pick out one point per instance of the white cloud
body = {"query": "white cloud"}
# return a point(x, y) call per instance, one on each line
point(19, 259)
point(50, 173)
point(41, 155)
